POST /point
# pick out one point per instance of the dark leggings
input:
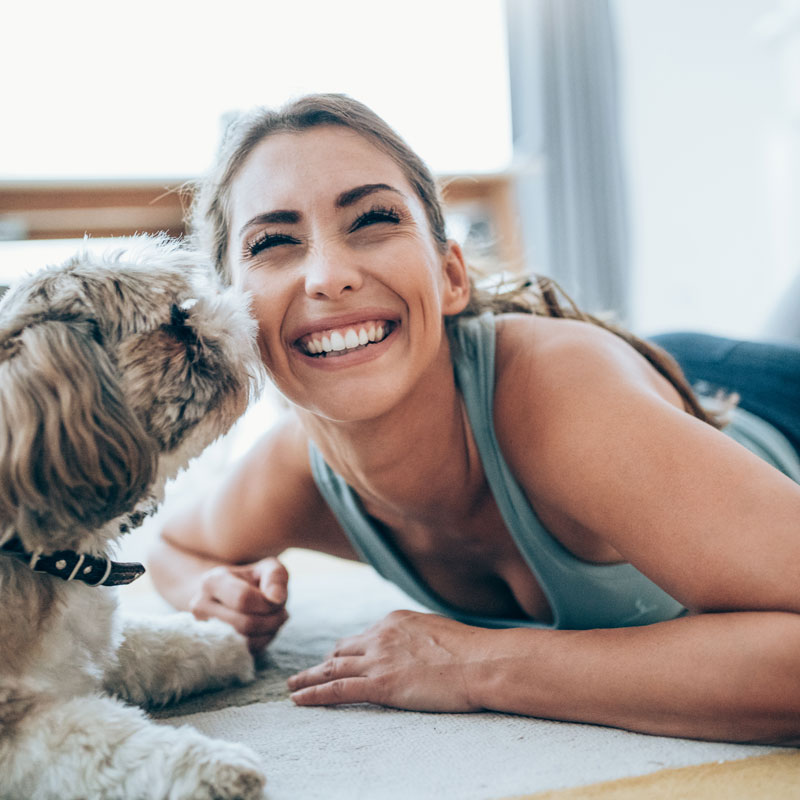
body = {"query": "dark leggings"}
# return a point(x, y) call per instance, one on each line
point(766, 375)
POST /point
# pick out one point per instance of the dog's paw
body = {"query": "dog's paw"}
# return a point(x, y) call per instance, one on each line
point(231, 660)
point(162, 660)
point(226, 771)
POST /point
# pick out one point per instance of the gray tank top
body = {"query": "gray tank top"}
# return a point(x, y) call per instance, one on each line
point(581, 595)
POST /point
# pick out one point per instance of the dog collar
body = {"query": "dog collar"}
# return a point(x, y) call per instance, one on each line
point(72, 566)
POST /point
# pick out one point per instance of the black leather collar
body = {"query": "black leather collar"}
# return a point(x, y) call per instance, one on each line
point(72, 566)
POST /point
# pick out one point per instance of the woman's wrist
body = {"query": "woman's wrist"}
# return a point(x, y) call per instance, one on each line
point(497, 658)
point(520, 671)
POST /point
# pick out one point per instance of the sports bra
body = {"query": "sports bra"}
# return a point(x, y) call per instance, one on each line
point(581, 594)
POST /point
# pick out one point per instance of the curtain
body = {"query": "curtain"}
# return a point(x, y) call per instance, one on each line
point(567, 148)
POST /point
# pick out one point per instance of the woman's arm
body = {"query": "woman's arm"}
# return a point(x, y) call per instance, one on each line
point(731, 677)
point(592, 432)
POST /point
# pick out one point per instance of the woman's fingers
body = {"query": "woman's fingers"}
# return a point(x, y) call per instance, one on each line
point(331, 670)
point(349, 646)
point(337, 680)
point(249, 625)
point(344, 690)
point(250, 598)
point(273, 580)
point(240, 591)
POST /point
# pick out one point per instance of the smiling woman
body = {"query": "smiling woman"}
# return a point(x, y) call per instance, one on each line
point(549, 485)
point(325, 207)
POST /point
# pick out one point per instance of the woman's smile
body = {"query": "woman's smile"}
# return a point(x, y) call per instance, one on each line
point(339, 342)
point(347, 346)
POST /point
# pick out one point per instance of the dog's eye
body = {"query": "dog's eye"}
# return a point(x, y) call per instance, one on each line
point(178, 326)
point(97, 334)
point(178, 315)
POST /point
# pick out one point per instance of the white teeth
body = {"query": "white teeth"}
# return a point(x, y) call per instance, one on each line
point(335, 341)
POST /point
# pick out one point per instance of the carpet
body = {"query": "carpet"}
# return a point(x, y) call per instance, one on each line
point(374, 753)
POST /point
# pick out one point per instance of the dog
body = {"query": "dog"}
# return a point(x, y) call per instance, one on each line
point(115, 371)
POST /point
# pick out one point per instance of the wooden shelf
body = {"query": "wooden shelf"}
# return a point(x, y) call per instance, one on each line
point(73, 209)
point(70, 210)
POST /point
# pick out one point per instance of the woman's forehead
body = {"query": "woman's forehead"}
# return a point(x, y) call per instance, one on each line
point(285, 167)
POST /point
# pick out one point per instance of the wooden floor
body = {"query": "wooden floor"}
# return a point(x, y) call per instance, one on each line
point(774, 777)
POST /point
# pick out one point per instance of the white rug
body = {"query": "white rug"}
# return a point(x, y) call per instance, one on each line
point(355, 752)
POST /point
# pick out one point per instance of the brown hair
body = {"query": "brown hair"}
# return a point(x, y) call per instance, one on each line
point(210, 208)
point(209, 216)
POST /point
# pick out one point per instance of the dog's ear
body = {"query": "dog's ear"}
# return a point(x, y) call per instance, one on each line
point(72, 454)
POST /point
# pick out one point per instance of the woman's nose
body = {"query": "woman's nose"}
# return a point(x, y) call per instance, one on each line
point(330, 274)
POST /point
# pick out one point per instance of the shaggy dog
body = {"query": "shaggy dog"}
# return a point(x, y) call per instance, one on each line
point(114, 373)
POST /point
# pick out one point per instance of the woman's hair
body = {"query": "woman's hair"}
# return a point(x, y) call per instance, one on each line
point(209, 216)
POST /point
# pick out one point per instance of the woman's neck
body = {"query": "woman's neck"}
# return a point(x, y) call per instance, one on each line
point(418, 459)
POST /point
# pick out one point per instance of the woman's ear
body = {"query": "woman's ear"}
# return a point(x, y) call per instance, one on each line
point(456, 280)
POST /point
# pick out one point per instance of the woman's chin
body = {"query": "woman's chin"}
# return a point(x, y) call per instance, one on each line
point(349, 407)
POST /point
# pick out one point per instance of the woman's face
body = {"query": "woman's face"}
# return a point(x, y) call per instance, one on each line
point(349, 288)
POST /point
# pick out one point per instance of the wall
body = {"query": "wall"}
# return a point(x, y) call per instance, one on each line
point(712, 150)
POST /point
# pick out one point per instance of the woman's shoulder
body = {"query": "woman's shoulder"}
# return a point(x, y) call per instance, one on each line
point(551, 352)
point(565, 354)
point(548, 368)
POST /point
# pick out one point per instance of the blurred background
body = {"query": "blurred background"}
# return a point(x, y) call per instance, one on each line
point(645, 153)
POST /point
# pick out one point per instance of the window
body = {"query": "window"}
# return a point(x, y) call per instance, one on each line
point(99, 90)
point(713, 157)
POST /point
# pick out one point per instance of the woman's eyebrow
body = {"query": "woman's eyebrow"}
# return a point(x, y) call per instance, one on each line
point(286, 217)
point(354, 195)
point(281, 217)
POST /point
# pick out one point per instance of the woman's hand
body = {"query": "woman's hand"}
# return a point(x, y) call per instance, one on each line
point(251, 598)
point(419, 662)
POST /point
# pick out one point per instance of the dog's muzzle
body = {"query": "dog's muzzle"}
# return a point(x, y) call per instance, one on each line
point(72, 566)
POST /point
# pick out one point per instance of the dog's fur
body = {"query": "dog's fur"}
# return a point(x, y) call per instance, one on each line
point(114, 372)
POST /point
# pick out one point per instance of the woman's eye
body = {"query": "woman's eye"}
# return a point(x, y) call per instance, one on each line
point(267, 241)
point(375, 215)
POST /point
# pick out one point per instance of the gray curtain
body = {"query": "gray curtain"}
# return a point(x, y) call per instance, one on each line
point(568, 150)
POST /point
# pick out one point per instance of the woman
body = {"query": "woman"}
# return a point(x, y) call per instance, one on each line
point(596, 548)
